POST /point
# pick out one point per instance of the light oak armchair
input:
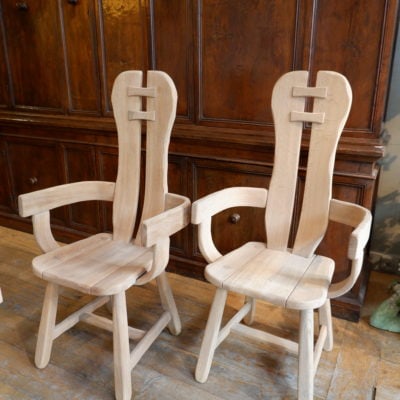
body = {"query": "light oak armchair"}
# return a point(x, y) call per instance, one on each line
point(294, 278)
point(106, 265)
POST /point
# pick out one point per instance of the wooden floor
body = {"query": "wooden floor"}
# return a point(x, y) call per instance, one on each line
point(364, 364)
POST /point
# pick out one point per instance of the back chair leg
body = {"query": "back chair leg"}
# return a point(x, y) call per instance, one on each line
point(249, 318)
point(325, 318)
point(168, 303)
point(122, 359)
point(210, 339)
point(46, 327)
point(306, 356)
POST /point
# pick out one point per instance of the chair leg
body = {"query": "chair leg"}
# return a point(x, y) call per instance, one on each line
point(325, 318)
point(168, 303)
point(306, 356)
point(122, 359)
point(249, 318)
point(210, 336)
point(46, 327)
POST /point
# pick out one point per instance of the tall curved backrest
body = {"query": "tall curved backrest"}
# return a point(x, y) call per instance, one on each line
point(158, 132)
point(330, 110)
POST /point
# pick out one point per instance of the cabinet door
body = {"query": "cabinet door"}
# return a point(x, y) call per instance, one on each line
point(177, 183)
point(35, 51)
point(80, 165)
point(123, 41)
point(79, 25)
point(5, 191)
point(107, 160)
point(34, 165)
point(359, 48)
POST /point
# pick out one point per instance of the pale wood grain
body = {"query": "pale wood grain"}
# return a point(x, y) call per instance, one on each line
point(122, 368)
point(282, 187)
point(210, 340)
point(157, 139)
point(46, 327)
point(107, 264)
point(167, 222)
point(321, 156)
point(306, 356)
point(47, 199)
point(297, 278)
point(38, 204)
point(129, 149)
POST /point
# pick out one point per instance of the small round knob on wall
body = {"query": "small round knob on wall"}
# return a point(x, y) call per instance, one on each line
point(234, 218)
point(21, 5)
point(33, 180)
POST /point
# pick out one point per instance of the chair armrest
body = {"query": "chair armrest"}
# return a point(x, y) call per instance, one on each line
point(46, 199)
point(361, 219)
point(175, 217)
point(205, 208)
point(356, 216)
point(38, 204)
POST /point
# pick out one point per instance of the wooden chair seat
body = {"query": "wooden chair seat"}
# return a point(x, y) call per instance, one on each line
point(97, 265)
point(281, 278)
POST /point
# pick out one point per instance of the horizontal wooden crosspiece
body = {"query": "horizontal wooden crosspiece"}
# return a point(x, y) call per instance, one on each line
point(148, 115)
point(320, 92)
point(141, 91)
point(305, 91)
point(295, 116)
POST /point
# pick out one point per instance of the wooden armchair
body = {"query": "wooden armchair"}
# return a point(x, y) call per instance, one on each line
point(106, 265)
point(294, 278)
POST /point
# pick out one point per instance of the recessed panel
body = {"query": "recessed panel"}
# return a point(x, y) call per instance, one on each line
point(245, 46)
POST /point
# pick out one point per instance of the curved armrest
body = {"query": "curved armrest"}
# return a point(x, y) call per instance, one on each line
point(204, 209)
point(361, 219)
point(175, 217)
point(39, 203)
point(46, 199)
point(155, 231)
point(356, 216)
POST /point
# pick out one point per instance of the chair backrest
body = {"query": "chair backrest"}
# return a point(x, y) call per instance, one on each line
point(159, 115)
point(331, 105)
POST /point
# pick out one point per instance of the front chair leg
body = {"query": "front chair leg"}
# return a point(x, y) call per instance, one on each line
point(210, 339)
point(168, 303)
point(122, 359)
point(306, 356)
point(46, 327)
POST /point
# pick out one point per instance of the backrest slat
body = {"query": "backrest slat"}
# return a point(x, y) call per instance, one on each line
point(157, 141)
point(331, 106)
point(281, 192)
point(129, 145)
point(321, 158)
point(159, 116)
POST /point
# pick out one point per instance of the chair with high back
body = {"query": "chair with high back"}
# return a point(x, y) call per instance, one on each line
point(106, 265)
point(285, 275)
